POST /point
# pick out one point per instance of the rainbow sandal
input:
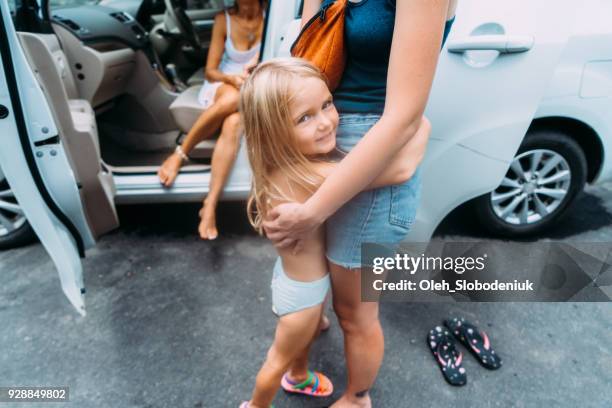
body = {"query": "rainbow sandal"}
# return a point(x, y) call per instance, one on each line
point(316, 385)
point(476, 341)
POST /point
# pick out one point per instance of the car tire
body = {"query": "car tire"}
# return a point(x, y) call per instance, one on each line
point(547, 196)
point(21, 233)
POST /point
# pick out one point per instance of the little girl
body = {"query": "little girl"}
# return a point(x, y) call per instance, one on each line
point(290, 124)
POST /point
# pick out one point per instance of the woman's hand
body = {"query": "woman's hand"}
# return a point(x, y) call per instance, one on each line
point(250, 66)
point(236, 80)
point(288, 223)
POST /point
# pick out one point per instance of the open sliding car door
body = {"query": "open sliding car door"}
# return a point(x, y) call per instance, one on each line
point(67, 202)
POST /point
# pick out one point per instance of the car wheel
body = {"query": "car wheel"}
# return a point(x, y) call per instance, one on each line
point(545, 176)
point(14, 228)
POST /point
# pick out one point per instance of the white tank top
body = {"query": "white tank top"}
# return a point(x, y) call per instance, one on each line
point(233, 60)
point(232, 63)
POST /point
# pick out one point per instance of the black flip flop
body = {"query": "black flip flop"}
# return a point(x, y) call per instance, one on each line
point(476, 341)
point(442, 346)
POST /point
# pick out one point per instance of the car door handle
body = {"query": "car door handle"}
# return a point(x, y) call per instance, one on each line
point(505, 44)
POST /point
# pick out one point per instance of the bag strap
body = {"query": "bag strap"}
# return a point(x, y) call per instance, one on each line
point(327, 4)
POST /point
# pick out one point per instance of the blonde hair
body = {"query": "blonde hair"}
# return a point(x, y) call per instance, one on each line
point(271, 143)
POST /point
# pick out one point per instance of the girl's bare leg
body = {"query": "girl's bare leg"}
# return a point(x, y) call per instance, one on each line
point(363, 337)
point(223, 159)
point(226, 103)
point(294, 334)
point(298, 370)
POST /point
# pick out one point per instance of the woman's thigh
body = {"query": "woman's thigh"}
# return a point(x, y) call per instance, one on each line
point(227, 96)
point(380, 216)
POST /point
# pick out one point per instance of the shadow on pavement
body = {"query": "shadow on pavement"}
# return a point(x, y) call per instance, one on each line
point(587, 213)
point(182, 219)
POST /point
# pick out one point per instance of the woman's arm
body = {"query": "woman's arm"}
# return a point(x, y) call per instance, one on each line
point(414, 55)
point(310, 8)
point(215, 53)
point(401, 168)
point(406, 161)
point(452, 8)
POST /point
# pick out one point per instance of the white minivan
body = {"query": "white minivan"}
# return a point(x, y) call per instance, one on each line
point(94, 94)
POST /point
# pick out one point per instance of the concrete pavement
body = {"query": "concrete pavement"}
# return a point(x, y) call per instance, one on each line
point(176, 322)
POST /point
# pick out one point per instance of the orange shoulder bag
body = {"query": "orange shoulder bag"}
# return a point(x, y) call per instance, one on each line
point(321, 41)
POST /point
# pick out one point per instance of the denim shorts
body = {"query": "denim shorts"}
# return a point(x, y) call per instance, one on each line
point(382, 216)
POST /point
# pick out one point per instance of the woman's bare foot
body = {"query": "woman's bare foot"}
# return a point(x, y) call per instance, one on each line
point(208, 222)
point(170, 169)
point(324, 325)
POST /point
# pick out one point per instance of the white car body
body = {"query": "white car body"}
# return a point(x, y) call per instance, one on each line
point(505, 63)
point(580, 88)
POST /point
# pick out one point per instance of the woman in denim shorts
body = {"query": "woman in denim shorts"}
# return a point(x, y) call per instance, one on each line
point(392, 55)
point(383, 215)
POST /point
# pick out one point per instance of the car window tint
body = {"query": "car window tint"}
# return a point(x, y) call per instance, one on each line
point(13, 4)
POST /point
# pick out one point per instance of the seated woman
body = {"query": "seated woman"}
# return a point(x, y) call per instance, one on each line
point(234, 45)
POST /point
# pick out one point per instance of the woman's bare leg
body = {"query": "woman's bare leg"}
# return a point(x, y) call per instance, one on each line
point(223, 159)
point(364, 344)
point(226, 103)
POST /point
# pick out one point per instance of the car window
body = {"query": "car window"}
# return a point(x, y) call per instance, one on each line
point(55, 4)
point(13, 4)
point(205, 4)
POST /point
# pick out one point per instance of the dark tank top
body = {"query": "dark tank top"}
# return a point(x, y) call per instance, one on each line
point(368, 34)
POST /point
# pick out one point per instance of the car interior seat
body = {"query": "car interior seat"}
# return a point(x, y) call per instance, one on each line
point(76, 124)
point(186, 108)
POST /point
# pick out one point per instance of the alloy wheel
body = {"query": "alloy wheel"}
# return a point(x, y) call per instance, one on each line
point(534, 187)
point(11, 214)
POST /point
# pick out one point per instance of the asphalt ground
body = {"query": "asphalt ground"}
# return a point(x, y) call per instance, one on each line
point(173, 321)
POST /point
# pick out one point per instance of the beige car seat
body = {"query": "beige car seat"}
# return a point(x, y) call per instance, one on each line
point(186, 109)
point(197, 78)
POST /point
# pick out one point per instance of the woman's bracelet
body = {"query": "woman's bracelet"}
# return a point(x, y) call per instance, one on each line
point(181, 153)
